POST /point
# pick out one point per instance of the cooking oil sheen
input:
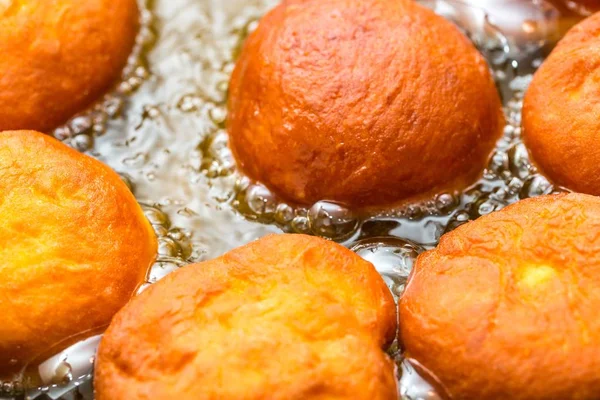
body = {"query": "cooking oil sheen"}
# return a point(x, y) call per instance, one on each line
point(163, 130)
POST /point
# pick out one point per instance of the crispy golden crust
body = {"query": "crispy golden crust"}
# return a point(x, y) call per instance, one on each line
point(581, 35)
point(74, 245)
point(286, 317)
point(591, 4)
point(506, 307)
point(58, 56)
point(561, 109)
point(580, 7)
point(361, 101)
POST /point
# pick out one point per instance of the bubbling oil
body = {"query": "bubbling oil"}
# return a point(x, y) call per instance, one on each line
point(163, 130)
point(79, 131)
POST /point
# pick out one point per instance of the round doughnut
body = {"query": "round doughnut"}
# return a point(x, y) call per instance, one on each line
point(74, 245)
point(561, 111)
point(60, 56)
point(366, 102)
point(285, 317)
point(506, 307)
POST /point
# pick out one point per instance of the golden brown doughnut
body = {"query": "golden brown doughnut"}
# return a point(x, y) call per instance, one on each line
point(561, 111)
point(59, 56)
point(285, 317)
point(581, 35)
point(581, 7)
point(506, 307)
point(74, 245)
point(367, 102)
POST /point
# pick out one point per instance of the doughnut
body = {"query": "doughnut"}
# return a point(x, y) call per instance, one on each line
point(365, 102)
point(60, 56)
point(561, 111)
point(506, 306)
point(74, 245)
point(285, 317)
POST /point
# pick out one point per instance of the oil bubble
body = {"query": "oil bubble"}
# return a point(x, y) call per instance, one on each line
point(485, 206)
point(537, 185)
point(261, 201)
point(80, 124)
point(332, 220)
point(163, 267)
point(168, 247)
point(392, 257)
point(284, 214)
point(459, 218)
point(445, 202)
point(82, 142)
point(519, 161)
point(416, 383)
point(300, 224)
point(499, 163)
point(63, 373)
point(156, 216)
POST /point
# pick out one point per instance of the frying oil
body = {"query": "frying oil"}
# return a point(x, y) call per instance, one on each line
point(163, 129)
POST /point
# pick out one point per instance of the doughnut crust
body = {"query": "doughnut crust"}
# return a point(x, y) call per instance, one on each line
point(561, 111)
point(285, 317)
point(59, 56)
point(506, 307)
point(74, 246)
point(367, 102)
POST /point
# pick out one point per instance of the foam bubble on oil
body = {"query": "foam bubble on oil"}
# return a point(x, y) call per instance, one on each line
point(80, 130)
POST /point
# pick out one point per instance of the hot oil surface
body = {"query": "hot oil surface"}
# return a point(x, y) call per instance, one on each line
point(164, 132)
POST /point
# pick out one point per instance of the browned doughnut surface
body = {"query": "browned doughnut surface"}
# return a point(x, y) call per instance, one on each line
point(582, 7)
point(286, 317)
point(74, 246)
point(368, 102)
point(59, 56)
point(561, 111)
point(506, 307)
